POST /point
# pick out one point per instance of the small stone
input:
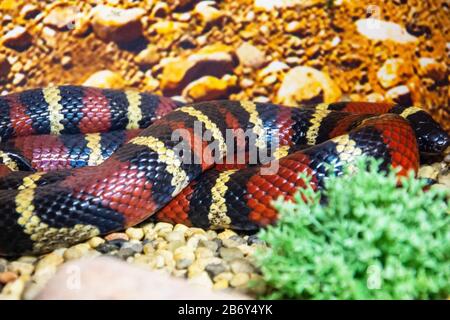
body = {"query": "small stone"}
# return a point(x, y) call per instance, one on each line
point(258, 286)
point(150, 83)
point(254, 239)
point(400, 95)
point(135, 246)
point(250, 56)
point(107, 247)
point(226, 234)
point(168, 258)
point(241, 265)
point(168, 28)
point(175, 236)
point(427, 172)
point(7, 276)
point(3, 265)
point(375, 97)
point(210, 245)
point(125, 253)
point(160, 10)
point(203, 252)
point(233, 241)
point(173, 245)
point(148, 249)
point(66, 62)
point(179, 273)
point(18, 38)
point(49, 36)
point(295, 27)
point(13, 290)
point(118, 25)
point(29, 11)
point(150, 233)
point(193, 231)
point(76, 251)
point(95, 242)
point(28, 259)
point(305, 84)
point(209, 88)
point(181, 228)
point(246, 83)
point(240, 280)
point(229, 254)
point(135, 233)
point(391, 72)
point(444, 179)
point(19, 79)
point(214, 269)
point(105, 79)
point(248, 250)
point(163, 226)
point(50, 260)
point(82, 24)
point(194, 240)
point(379, 30)
point(215, 60)
point(273, 67)
point(224, 276)
point(195, 269)
point(429, 67)
point(269, 80)
point(207, 13)
point(148, 57)
point(336, 41)
point(21, 268)
point(201, 279)
point(221, 285)
point(184, 257)
point(61, 17)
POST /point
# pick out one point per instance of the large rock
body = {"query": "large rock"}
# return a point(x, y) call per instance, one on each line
point(305, 84)
point(18, 39)
point(62, 17)
point(107, 278)
point(215, 60)
point(376, 29)
point(209, 88)
point(105, 79)
point(118, 25)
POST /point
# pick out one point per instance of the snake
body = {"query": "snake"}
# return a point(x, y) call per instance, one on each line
point(78, 162)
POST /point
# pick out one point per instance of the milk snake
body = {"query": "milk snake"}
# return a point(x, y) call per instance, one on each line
point(79, 162)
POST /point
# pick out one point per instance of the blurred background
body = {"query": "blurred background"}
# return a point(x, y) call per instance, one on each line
point(283, 51)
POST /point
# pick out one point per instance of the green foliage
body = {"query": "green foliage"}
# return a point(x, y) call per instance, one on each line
point(372, 240)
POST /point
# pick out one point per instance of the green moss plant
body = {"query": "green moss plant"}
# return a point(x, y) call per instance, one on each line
point(371, 239)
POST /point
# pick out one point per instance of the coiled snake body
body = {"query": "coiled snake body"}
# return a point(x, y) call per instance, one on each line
point(79, 162)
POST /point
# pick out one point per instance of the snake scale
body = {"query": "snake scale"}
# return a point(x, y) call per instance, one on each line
point(78, 161)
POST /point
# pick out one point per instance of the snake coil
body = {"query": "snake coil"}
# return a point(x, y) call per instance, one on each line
point(78, 162)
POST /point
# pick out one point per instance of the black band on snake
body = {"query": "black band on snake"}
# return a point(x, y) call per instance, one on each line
point(78, 162)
